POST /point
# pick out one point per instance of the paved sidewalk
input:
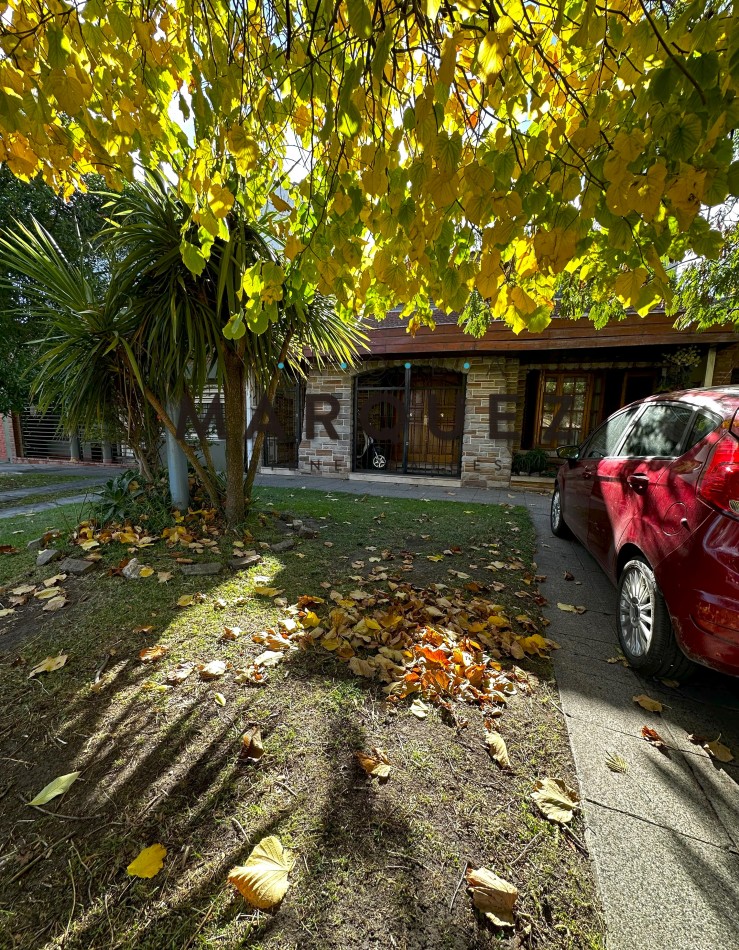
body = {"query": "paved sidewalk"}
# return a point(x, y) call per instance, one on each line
point(664, 837)
point(18, 494)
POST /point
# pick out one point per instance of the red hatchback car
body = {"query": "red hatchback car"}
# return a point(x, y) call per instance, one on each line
point(653, 494)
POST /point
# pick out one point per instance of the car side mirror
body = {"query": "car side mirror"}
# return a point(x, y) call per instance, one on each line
point(569, 452)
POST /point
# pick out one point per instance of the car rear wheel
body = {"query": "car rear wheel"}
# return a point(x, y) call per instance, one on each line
point(559, 528)
point(644, 626)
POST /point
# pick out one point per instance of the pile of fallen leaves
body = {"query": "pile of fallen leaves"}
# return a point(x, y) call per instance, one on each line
point(438, 643)
point(49, 592)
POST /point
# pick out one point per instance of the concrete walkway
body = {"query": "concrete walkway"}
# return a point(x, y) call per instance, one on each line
point(87, 477)
point(664, 837)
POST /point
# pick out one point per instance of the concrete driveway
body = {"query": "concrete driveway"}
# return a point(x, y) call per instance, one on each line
point(665, 835)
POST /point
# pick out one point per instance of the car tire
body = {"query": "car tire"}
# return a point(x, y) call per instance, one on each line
point(556, 519)
point(644, 627)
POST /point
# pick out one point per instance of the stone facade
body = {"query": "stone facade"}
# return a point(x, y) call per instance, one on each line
point(486, 461)
point(727, 362)
point(8, 452)
point(324, 455)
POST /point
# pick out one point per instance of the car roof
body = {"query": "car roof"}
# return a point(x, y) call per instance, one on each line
point(723, 399)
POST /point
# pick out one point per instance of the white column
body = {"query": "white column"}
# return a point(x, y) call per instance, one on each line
point(8, 437)
point(179, 488)
point(107, 452)
point(74, 448)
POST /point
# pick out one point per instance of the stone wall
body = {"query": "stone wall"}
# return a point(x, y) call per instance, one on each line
point(324, 455)
point(486, 462)
point(727, 361)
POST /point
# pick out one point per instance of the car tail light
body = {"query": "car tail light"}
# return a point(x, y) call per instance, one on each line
point(719, 483)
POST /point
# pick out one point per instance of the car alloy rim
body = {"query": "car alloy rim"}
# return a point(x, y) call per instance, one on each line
point(555, 509)
point(637, 612)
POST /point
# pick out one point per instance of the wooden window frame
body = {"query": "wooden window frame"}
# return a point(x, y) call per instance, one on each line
point(561, 375)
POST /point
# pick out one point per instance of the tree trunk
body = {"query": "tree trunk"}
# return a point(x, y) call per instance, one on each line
point(259, 440)
point(234, 417)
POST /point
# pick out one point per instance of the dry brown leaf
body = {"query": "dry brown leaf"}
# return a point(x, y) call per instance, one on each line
point(231, 633)
point(252, 748)
point(263, 879)
point(713, 747)
point(651, 705)
point(164, 576)
point(152, 654)
point(179, 673)
point(213, 670)
point(50, 664)
point(56, 603)
point(493, 896)
point(556, 801)
point(497, 749)
point(572, 609)
point(376, 763)
point(653, 737)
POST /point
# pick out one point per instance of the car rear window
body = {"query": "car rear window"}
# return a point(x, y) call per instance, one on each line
point(659, 431)
point(704, 423)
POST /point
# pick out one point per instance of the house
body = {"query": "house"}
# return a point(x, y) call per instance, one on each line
point(444, 404)
point(477, 412)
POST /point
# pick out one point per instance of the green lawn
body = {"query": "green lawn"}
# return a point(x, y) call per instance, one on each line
point(377, 865)
point(10, 480)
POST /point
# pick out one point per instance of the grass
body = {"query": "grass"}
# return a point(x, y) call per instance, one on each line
point(377, 865)
point(29, 501)
point(9, 481)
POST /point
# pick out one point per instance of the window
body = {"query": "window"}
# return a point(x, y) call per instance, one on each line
point(703, 424)
point(606, 439)
point(659, 431)
point(563, 408)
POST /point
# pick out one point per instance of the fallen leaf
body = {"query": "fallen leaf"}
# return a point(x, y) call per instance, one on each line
point(617, 763)
point(651, 705)
point(152, 654)
point(231, 633)
point(419, 709)
point(267, 591)
point(48, 593)
point(146, 572)
point(556, 801)
point(6, 611)
point(220, 699)
point(180, 672)
point(50, 664)
point(268, 658)
point(147, 629)
point(149, 862)
point(30, 588)
point(186, 600)
point(362, 667)
point(654, 738)
point(212, 670)
point(376, 763)
point(713, 747)
point(163, 576)
point(251, 745)
point(568, 576)
point(58, 787)
point(56, 603)
point(497, 749)
point(570, 608)
point(493, 896)
point(263, 880)
point(670, 684)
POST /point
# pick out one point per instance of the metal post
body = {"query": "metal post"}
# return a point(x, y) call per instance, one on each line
point(179, 487)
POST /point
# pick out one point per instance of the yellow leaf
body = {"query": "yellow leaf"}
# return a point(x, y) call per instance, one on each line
point(186, 600)
point(556, 801)
point(652, 705)
point(493, 896)
point(497, 748)
point(267, 591)
point(58, 787)
point(50, 664)
point(376, 764)
point(220, 699)
point(263, 880)
point(628, 286)
point(151, 654)
point(149, 862)
point(719, 751)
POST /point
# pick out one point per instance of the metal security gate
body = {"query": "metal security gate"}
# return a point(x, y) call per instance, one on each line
point(281, 449)
point(42, 436)
point(409, 420)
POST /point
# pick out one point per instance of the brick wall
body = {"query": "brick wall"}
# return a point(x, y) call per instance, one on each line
point(7, 440)
point(727, 360)
point(486, 462)
point(323, 455)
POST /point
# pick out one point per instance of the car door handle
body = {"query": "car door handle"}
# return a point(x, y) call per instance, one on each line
point(638, 480)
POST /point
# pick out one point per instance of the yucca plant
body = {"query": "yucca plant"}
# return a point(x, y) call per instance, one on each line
point(182, 316)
